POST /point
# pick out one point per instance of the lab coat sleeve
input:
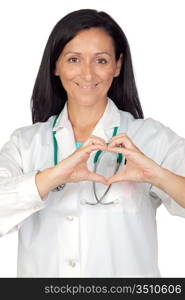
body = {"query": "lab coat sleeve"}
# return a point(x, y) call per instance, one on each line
point(19, 196)
point(172, 153)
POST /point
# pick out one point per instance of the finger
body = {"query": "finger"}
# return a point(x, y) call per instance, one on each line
point(136, 157)
point(118, 135)
point(98, 137)
point(84, 152)
point(126, 152)
point(88, 149)
point(94, 140)
point(97, 178)
point(124, 142)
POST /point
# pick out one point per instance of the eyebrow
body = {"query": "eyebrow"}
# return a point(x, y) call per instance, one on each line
point(97, 53)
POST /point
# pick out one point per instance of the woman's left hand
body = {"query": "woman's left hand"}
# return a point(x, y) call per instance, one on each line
point(138, 167)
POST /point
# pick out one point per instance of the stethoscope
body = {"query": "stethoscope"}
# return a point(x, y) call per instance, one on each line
point(95, 161)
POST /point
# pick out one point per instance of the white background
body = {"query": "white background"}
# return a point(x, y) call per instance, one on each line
point(156, 33)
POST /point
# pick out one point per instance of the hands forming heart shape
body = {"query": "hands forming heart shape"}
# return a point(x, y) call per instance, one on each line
point(139, 167)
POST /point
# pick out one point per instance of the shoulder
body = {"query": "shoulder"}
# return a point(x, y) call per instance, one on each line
point(148, 125)
point(149, 131)
point(136, 124)
point(38, 131)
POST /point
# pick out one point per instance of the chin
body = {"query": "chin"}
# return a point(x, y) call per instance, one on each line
point(88, 100)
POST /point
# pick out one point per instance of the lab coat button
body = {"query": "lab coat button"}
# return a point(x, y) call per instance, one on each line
point(83, 201)
point(72, 263)
point(37, 206)
point(116, 201)
point(70, 218)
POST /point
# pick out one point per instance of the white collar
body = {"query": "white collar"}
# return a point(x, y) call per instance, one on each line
point(109, 119)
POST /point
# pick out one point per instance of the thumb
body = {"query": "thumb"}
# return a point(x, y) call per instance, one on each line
point(96, 177)
point(115, 178)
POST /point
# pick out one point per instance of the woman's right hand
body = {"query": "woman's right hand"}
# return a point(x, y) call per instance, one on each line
point(74, 167)
point(71, 169)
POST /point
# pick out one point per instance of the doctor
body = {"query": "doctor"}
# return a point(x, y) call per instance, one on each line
point(75, 220)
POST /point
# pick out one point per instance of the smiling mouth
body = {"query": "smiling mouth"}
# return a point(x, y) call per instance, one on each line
point(87, 86)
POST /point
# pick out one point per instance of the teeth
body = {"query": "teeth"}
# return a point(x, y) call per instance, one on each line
point(87, 86)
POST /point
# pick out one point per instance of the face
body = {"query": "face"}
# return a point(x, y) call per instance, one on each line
point(87, 66)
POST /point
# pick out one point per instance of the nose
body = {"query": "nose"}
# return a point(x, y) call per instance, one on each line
point(87, 71)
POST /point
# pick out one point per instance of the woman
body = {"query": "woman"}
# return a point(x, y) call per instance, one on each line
point(77, 218)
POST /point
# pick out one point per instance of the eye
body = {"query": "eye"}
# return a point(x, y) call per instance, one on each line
point(101, 61)
point(73, 59)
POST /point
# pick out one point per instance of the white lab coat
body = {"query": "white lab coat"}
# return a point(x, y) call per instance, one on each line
point(60, 236)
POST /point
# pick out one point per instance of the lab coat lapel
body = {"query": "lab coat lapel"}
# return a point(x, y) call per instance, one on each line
point(109, 120)
point(64, 135)
point(66, 142)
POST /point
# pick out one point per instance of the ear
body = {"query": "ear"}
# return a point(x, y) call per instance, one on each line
point(119, 65)
point(56, 73)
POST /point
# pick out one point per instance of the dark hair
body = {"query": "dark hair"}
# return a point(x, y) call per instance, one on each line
point(49, 97)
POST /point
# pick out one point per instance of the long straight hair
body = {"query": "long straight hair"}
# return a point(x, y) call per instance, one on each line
point(49, 96)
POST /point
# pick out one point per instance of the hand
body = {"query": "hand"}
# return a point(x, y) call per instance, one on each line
point(139, 167)
point(74, 167)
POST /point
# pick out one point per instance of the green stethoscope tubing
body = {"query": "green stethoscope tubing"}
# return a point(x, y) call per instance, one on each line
point(95, 161)
point(55, 145)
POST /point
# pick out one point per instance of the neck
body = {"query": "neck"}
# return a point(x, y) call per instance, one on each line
point(82, 117)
